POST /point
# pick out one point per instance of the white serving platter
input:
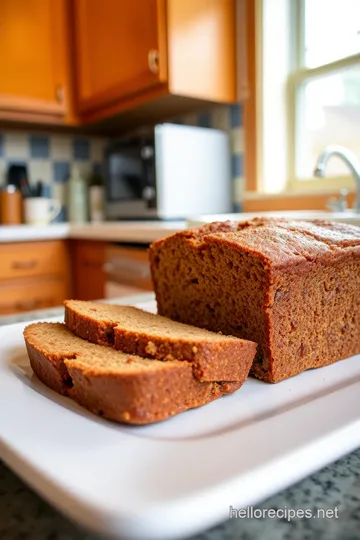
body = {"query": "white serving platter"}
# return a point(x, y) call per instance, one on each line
point(178, 477)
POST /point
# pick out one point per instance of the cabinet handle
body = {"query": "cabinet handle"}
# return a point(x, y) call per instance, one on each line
point(59, 92)
point(153, 61)
point(27, 305)
point(24, 265)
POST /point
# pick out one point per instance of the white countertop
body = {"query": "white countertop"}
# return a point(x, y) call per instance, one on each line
point(115, 231)
point(147, 231)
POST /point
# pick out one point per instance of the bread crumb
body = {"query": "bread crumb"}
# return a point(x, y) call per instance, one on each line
point(194, 349)
point(151, 348)
point(130, 360)
point(126, 415)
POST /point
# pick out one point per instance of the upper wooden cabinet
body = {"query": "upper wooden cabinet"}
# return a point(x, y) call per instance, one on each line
point(149, 55)
point(80, 62)
point(119, 49)
point(34, 67)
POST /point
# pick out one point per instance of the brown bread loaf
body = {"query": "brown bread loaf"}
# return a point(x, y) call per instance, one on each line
point(214, 357)
point(112, 384)
point(292, 287)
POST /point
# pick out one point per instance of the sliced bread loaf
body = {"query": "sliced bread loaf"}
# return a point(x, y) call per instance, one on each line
point(215, 357)
point(293, 287)
point(112, 384)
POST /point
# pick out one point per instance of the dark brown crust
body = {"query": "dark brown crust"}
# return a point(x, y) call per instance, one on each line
point(133, 398)
point(212, 361)
point(307, 309)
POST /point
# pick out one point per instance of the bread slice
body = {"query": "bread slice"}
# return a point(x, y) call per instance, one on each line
point(112, 384)
point(215, 357)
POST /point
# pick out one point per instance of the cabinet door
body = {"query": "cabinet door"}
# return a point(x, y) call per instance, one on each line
point(32, 56)
point(121, 49)
point(88, 258)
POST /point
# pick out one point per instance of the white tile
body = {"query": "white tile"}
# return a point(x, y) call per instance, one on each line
point(97, 149)
point(61, 147)
point(16, 145)
point(237, 140)
point(238, 189)
point(85, 168)
point(40, 169)
point(220, 118)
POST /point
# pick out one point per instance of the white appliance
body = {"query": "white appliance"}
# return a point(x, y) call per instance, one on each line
point(172, 172)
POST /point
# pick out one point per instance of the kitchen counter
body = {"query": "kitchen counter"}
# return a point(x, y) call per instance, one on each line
point(112, 231)
point(25, 516)
point(148, 231)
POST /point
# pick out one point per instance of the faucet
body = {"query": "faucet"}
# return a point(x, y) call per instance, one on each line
point(347, 157)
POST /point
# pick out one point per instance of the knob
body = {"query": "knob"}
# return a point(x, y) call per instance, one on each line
point(153, 61)
point(147, 152)
point(59, 92)
point(148, 193)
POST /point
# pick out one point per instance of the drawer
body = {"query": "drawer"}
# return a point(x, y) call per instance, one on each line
point(25, 259)
point(29, 294)
point(128, 266)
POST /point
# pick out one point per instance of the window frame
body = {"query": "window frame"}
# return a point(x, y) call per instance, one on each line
point(298, 75)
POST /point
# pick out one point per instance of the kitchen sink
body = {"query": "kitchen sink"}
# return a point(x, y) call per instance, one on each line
point(348, 216)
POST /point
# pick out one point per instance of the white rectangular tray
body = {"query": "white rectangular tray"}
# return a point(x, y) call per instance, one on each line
point(178, 477)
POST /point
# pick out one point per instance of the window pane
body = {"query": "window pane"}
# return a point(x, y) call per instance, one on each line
point(330, 114)
point(332, 30)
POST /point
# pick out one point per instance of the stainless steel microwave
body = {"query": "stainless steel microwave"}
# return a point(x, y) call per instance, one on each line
point(173, 172)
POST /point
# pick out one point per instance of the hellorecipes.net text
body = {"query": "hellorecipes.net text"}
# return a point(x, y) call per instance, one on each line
point(283, 513)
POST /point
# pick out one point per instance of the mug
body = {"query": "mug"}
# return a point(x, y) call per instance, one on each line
point(40, 210)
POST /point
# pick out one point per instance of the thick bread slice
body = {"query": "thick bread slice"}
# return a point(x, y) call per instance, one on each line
point(112, 384)
point(215, 357)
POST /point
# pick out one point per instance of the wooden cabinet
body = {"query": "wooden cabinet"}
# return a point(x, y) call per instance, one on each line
point(33, 275)
point(34, 67)
point(153, 58)
point(81, 62)
point(119, 49)
point(88, 259)
point(106, 270)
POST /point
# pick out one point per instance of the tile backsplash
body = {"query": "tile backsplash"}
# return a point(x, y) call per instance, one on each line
point(49, 157)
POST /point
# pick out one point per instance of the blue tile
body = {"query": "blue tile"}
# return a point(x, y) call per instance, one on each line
point(39, 146)
point(47, 191)
point(62, 217)
point(61, 171)
point(237, 165)
point(204, 119)
point(17, 162)
point(237, 207)
point(235, 112)
point(98, 168)
point(1, 145)
point(81, 149)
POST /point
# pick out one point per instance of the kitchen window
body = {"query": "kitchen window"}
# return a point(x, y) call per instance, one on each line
point(309, 91)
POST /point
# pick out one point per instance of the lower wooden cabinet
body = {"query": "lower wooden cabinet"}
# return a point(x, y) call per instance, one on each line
point(34, 293)
point(33, 275)
point(88, 259)
point(108, 270)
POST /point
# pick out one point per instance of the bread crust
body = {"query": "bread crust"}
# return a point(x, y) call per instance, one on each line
point(131, 397)
point(223, 360)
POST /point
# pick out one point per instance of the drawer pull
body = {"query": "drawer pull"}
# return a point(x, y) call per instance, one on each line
point(24, 265)
point(27, 305)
